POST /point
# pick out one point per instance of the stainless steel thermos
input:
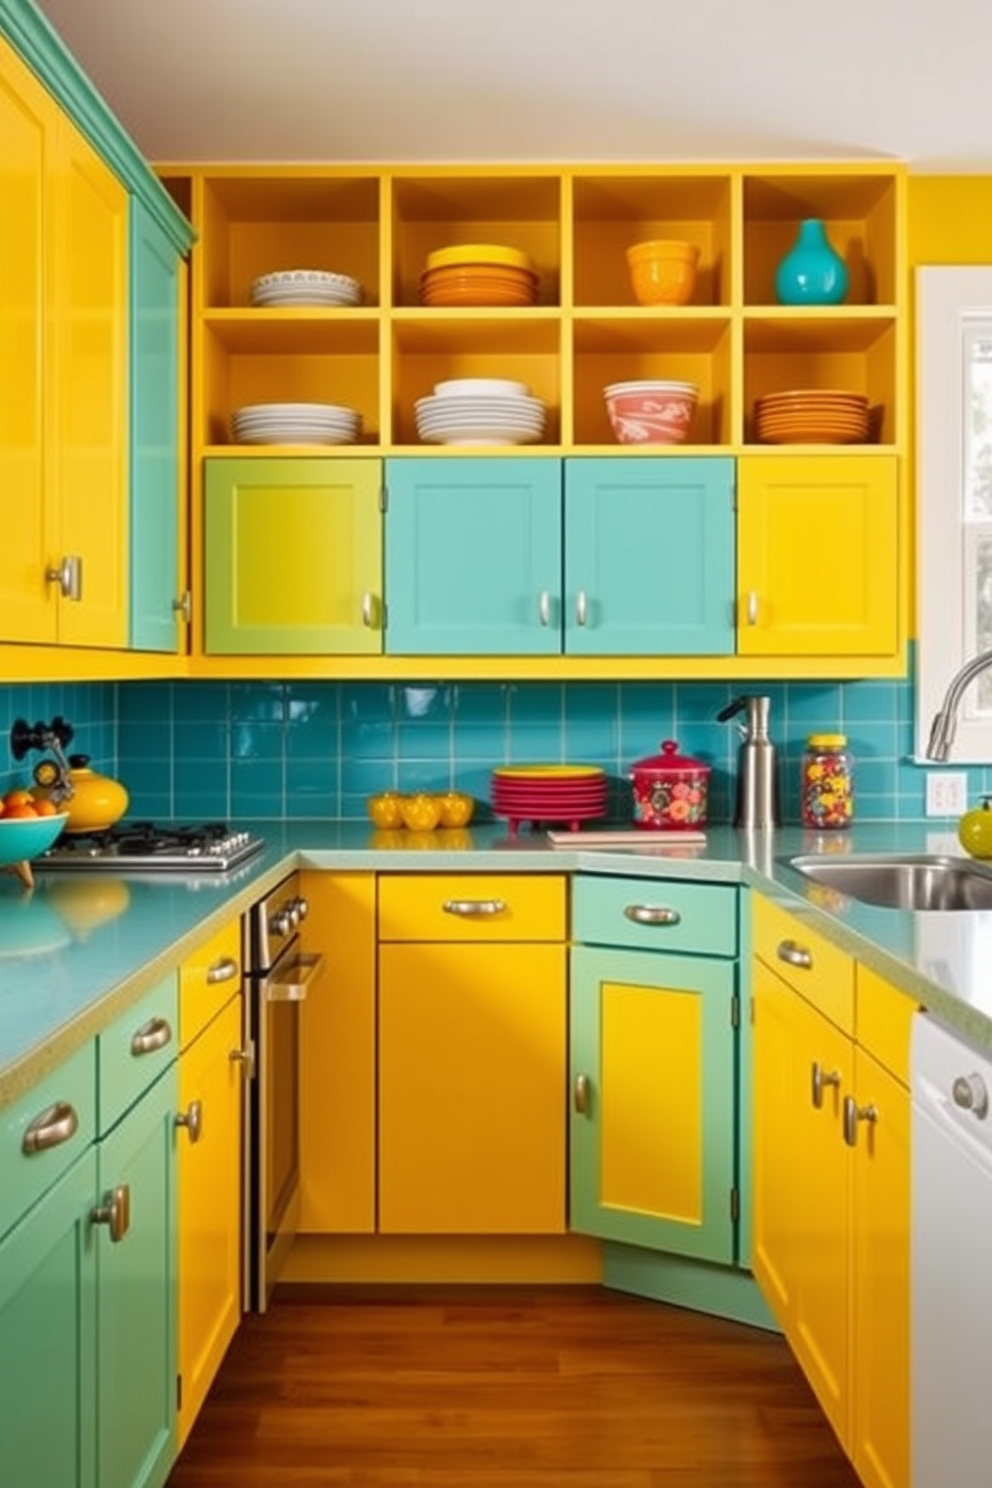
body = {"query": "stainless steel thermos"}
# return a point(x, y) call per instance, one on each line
point(757, 774)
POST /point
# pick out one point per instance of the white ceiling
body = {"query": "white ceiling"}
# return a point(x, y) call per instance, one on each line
point(542, 80)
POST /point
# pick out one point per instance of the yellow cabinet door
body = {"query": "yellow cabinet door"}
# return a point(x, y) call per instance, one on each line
point(818, 556)
point(211, 1095)
point(472, 1098)
point(803, 1068)
point(89, 452)
point(28, 122)
point(880, 1433)
point(63, 376)
point(338, 1059)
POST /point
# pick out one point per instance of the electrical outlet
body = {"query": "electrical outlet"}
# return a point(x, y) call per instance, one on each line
point(947, 793)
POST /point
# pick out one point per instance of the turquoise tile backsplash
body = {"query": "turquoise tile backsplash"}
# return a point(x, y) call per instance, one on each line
point(233, 750)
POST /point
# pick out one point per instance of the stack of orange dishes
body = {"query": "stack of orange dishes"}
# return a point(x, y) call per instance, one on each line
point(555, 795)
point(812, 416)
point(478, 274)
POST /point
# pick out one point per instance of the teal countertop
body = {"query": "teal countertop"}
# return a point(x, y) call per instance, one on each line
point(80, 947)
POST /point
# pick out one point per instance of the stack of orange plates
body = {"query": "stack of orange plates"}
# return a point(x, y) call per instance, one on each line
point(478, 274)
point(552, 794)
point(812, 416)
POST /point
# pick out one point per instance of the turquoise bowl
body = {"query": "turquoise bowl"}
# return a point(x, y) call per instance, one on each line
point(24, 837)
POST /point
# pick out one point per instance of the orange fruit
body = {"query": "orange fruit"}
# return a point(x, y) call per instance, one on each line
point(14, 812)
point(44, 808)
point(17, 798)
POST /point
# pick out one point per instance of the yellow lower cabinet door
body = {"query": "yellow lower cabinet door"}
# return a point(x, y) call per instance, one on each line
point(880, 1426)
point(818, 556)
point(211, 1094)
point(472, 1070)
point(803, 1068)
point(338, 1058)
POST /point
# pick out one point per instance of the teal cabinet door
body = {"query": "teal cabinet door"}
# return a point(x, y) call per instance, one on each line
point(47, 1339)
point(293, 557)
point(136, 1295)
point(649, 557)
point(155, 484)
point(653, 1077)
point(473, 557)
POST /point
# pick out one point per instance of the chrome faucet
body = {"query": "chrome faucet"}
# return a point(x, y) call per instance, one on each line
point(945, 722)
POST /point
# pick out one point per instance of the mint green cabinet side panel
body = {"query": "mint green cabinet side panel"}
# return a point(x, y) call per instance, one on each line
point(47, 1339)
point(473, 557)
point(649, 557)
point(293, 557)
point(136, 1304)
point(154, 427)
point(593, 971)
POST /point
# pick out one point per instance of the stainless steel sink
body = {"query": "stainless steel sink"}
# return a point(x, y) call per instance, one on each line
point(917, 881)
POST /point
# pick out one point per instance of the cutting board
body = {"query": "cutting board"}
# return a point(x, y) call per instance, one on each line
point(626, 837)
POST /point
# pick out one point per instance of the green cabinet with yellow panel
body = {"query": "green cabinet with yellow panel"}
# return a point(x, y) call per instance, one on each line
point(293, 556)
point(654, 1040)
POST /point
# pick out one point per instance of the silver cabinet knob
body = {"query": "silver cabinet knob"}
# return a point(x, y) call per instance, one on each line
point(819, 1082)
point(115, 1212)
point(192, 1120)
point(853, 1113)
point(971, 1094)
point(68, 576)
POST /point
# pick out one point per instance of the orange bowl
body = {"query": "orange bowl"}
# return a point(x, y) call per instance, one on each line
point(663, 272)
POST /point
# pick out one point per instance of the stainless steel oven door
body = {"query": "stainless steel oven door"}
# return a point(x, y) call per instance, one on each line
point(275, 1145)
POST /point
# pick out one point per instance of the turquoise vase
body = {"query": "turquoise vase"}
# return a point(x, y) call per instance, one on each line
point(812, 272)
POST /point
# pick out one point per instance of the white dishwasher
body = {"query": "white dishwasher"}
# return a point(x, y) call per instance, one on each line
point(951, 1260)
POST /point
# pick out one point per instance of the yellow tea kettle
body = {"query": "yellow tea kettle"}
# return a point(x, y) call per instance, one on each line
point(94, 802)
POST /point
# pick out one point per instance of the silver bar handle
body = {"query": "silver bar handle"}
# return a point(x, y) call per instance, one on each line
point(544, 607)
point(154, 1034)
point(192, 1120)
point(368, 610)
point(475, 909)
point(183, 606)
point(793, 954)
point(223, 970)
point(581, 608)
point(752, 607)
point(50, 1128)
point(853, 1113)
point(116, 1212)
point(580, 1094)
point(652, 914)
point(293, 983)
point(68, 576)
point(819, 1081)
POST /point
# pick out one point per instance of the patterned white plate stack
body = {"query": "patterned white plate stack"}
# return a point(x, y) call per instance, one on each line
point(296, 287)
point(295, 423)
point(482, 410)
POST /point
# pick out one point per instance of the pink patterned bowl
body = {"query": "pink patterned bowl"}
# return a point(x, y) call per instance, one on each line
point(651, 412)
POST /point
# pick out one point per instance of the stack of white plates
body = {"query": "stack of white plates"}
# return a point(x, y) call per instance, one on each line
point(480, 410)
point(305, 287)
point(295, 423)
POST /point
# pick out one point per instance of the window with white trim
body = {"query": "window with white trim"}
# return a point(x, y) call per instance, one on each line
point(954, 499)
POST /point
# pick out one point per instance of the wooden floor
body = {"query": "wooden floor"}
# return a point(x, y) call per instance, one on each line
point(508, 1387)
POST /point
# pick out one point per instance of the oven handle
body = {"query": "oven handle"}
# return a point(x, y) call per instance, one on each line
point(290, 983)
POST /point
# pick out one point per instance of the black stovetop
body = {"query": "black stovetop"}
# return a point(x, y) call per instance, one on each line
point(168, 848)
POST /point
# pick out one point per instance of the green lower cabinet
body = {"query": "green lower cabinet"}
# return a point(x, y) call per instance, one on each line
point(654, 1098)
point(136, 1297)
point(48, 1339)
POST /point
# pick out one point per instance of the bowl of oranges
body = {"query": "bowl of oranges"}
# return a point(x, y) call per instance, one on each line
point(27, 826)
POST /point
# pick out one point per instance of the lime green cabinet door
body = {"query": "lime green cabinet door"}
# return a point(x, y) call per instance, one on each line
point(653, 1100)
point(136, 1294)
point(817, 556)
point(293, 557)
point(47, 1339)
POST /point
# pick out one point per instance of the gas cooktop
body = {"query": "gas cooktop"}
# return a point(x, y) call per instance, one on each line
point(212, 847)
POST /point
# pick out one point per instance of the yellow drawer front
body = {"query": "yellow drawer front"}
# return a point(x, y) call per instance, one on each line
point(207, 979)
point(472, 906)
point(883, 1021)
point(806, 960)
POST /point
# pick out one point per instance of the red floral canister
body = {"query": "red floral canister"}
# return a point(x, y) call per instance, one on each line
point(670, 790)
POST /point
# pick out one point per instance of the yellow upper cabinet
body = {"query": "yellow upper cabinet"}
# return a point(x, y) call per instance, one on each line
point(63, 446)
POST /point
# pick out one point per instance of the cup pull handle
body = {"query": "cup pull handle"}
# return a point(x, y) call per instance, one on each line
point(50, 1128)
point(154, 1034)
point(224, 970)
point(652, 914)
point(793, 954)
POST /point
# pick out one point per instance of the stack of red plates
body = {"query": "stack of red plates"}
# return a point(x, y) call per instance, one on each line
point(555, 795)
